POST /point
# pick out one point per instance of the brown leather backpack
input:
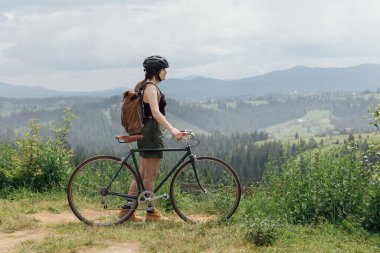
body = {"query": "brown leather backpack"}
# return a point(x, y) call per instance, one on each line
point(132, 109)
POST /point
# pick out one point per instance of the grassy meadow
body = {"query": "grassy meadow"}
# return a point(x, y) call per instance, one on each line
point(19, 212)
point(314, 122)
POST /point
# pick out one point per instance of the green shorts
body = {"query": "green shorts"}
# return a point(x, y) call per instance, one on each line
point(153, 138)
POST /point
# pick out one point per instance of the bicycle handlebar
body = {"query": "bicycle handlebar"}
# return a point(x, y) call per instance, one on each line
point(187, 135)
point(187, 132)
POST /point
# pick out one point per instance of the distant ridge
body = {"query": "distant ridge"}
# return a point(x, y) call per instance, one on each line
point(17, 91)
point(301, 79)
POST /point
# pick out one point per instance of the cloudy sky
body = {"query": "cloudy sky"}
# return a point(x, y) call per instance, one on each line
point(97, 44)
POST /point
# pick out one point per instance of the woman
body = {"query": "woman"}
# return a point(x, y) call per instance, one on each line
point(154, 118)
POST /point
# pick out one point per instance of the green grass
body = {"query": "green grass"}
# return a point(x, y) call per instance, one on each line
point(169, 236)
point(314, 122)
point(323, 238)
point(256, 101)
point(209, 105)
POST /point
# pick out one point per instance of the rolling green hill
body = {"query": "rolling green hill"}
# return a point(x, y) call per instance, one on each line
point(282, 117)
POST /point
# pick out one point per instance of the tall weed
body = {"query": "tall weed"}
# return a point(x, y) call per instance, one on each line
point(371, 219)
point(6, 153)
point(35, 161)
point(324, 185)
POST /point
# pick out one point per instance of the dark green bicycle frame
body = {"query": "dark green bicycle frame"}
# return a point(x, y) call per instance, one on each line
point(136, 168)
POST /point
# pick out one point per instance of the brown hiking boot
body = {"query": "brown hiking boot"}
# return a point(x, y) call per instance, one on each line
point(133, 218)
point(155, 216)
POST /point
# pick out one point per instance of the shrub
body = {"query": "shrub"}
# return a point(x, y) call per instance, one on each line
point(262, 233)
point(6, 163)
point(372, 216)
point(326, 185)
point(372, 212)
point(38, 162)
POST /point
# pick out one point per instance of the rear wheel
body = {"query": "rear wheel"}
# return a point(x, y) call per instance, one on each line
point(90, 197)
point(215, 198)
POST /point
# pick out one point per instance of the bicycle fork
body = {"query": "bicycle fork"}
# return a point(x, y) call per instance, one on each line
point(193, 160)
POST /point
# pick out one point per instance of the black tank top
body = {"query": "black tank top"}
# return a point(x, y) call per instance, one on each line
point(161, 105)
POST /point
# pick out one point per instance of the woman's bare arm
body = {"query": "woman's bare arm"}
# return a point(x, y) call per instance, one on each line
point(150, 96)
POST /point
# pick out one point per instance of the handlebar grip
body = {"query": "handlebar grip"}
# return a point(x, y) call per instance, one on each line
point(185, 131)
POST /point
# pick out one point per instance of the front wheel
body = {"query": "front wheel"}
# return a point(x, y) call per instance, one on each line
point(97, 190)
point(208, 192)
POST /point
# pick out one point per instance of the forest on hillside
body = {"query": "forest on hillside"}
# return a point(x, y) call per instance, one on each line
point(101, 117)
point(228, 128)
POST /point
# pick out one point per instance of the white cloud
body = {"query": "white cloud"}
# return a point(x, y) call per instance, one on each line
point(92, 44)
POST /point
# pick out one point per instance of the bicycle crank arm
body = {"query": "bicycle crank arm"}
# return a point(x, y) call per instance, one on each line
point(163, 196)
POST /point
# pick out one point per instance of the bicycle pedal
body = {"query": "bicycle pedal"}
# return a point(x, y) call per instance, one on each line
point(162, 196)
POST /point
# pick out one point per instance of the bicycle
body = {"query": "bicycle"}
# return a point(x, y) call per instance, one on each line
point(203, 189)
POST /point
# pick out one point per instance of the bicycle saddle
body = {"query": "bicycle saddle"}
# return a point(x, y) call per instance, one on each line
point(128, 138)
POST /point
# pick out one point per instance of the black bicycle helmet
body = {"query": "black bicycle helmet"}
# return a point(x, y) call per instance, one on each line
point(155, 62)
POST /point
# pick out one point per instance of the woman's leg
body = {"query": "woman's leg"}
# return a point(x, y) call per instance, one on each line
point(133, 190)
point(148, 169)
point(133, 187)
point(151, 166)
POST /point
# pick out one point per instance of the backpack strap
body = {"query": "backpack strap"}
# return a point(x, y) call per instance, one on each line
point(150, 83)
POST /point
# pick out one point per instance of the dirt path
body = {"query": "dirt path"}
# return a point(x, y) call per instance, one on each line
point(53, 218)
point(9, 241)
point(130, 247)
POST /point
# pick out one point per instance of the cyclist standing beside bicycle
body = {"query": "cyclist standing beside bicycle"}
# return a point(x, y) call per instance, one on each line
point(154, 120)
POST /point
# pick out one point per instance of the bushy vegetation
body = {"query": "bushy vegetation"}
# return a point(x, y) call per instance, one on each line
point(327, 185)
point(37, 162)
point(336, 185)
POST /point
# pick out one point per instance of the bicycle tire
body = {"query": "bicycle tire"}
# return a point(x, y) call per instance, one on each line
point(84, 191)
point(223, 188)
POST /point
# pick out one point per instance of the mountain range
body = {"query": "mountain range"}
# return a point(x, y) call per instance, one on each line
point(297, 79)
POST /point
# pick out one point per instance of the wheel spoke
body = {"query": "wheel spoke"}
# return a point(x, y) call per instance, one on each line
point(213, 197)
point(87, 193)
